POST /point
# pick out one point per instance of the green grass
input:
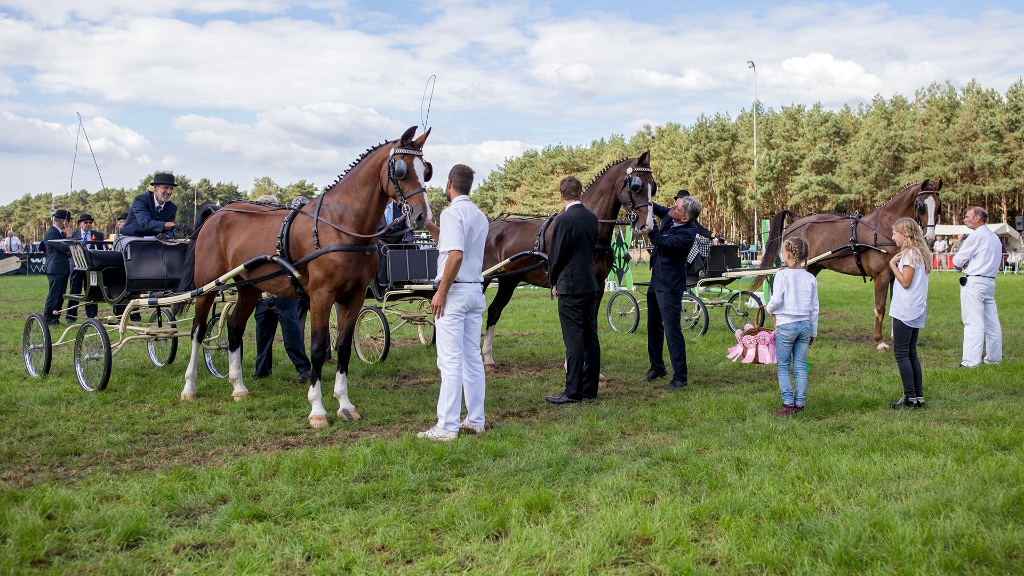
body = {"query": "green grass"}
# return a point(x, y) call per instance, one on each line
point(704, 480)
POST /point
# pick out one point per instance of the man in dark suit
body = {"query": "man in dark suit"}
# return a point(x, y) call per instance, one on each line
point(672, 242)
point(571, 272)
point(92, 239)
point(57, 266)
point(151, 212)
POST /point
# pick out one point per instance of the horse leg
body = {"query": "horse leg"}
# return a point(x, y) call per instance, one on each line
point(247, 299)
point(199, 328)
point(506, 287)
point(883, 284)
point(602, 380)
point(343, 350)
point(320, 343)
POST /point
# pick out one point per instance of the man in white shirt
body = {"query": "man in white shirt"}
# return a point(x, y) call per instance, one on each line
point(458, 308)
point(12, 244)
point(939, 249)
point(979, 257)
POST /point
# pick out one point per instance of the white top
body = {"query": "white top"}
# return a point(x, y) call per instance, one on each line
point(12, 245)
point(910, 305)
point(982, 251)
point(463, 227)
point(795, 298)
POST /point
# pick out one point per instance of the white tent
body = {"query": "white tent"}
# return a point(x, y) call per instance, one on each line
point(1003, 230)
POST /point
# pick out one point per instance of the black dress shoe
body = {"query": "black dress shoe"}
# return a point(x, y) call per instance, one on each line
point(561, 399)
point(305, 375)
point(675, 384)
point(654, 375)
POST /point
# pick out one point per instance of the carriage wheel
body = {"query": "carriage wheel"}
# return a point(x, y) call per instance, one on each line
point(37, 346)
point(744, 307)
point(333, 325)
point(92, 356)
point(623, 312)
point(694, 318)
point(426, 331)
point(162, 350)
point(215, 350)
point(372, 335)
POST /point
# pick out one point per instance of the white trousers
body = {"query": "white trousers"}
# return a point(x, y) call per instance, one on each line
point(981, 321)
point(458, 357)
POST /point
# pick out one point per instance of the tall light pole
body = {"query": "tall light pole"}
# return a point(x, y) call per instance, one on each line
point(757, 223)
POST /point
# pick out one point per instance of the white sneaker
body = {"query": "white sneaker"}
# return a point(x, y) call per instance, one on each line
point(439, 434)
point(470, 428)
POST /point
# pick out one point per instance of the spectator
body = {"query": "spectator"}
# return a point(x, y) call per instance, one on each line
point(939, 248)
point(1013, 261)
point(86, 234)
point(58, 265)
point(12, 244)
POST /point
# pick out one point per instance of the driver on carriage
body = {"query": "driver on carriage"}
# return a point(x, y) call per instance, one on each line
point(151, 212)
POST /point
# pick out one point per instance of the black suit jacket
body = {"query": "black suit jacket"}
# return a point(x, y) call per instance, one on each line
point(57, 253)
point(144, 220)
point(97, 236)
point(571, 257)
point(671, 247)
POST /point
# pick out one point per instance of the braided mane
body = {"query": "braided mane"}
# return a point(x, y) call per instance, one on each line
point(603, 170)
point(368, 151)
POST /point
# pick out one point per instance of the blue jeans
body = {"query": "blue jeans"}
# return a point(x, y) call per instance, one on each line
point(791, 342)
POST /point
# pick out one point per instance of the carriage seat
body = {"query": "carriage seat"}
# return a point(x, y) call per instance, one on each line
point(101, 259)
point(722, 258)
point(153, 266)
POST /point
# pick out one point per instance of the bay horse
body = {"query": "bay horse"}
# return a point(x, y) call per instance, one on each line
point(627, 182)
point(332, 242)
point(859, 245)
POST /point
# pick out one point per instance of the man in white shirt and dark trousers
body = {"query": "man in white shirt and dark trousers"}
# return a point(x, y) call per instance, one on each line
point(458, 308)
point(979, 258)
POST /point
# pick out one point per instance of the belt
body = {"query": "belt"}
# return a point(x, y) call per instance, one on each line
point(981, 276)
point(467, 282)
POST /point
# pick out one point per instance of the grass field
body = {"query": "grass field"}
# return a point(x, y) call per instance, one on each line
point(704, 480)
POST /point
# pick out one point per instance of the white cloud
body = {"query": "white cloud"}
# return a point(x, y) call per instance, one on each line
point(691, 79)
point(34, 136)
point(482, 157)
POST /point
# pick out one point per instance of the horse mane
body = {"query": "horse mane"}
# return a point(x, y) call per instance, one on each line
point(601, 173)
point(355, 162)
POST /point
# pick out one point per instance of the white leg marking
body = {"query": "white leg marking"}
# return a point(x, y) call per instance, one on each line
point(488, 340)
point(235, 375)
point(189, 392)
point(317, 416)
point(345, 408)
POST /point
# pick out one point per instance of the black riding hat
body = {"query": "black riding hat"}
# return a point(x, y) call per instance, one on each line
point(682, 194)
point(62, 215)
point(167, 179)
point(123, 216)
point(85, 218)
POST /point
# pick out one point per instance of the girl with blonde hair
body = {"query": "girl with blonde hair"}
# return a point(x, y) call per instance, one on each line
point(794, 303)
point(909, 306)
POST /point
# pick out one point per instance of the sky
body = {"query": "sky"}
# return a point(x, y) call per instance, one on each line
point(233, 90)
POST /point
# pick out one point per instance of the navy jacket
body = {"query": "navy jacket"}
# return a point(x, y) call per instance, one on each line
point(571, 257)
point(58, 254)
point(143, 219)
point(671, 247)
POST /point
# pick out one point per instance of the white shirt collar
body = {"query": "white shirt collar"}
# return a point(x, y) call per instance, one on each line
point(460, 198)
point(573, 203)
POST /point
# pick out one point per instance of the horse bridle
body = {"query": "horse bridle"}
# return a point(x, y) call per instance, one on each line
point(919, 208)
point(634, 184)
point(398, 170)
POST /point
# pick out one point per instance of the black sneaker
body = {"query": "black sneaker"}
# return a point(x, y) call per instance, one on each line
point(903, 401)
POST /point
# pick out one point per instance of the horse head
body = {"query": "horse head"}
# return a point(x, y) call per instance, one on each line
point(637, 193)
point(928, 208)
point(405, 175)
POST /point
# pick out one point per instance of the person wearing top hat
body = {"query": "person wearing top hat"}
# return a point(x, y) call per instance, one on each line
point(58, 265)
point(151, 212)
point(92, 239)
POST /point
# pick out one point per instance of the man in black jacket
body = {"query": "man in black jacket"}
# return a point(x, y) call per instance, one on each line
point(151, 212)
point(571, 272)
point(92, 239)
point(57, 266)
point(672, 242)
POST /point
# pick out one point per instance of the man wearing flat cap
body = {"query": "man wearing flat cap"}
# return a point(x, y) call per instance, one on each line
point(92, 239)
point(151, 212)
point(57, 266)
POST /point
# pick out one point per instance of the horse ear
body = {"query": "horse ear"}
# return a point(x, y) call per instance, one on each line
point(939, 185)
point(924, 185)
point(408, 135)
point(419, 141)
point(644, 159)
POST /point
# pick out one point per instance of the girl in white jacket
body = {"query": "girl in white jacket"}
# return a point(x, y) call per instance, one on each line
point(794, 303)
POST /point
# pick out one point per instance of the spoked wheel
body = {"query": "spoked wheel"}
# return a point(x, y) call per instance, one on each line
point(623, 312)
point(426, 331)
point(215, 349)
point(162, 350)
point(694, 317)
point(372, 338)
point(37, 346)
point(92, 356)
point(744, 308)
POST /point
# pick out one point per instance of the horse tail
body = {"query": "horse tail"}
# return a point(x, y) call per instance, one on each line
point(774, 246)
point(188, 268)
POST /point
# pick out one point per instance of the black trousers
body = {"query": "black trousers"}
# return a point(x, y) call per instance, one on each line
point(905, 349)
point(577, 313)
point(55, 296)
point(663, 312)
point(269, 313)
point(77, 283)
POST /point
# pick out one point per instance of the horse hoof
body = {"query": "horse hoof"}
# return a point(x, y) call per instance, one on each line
point(188, 395)
point(239, 396)
point(318, 422)
point(602, 383)
point(488, 368)
point(883, 347)
point(349, 414)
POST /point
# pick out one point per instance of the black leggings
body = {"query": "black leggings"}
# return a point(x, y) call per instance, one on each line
point(905, 350)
